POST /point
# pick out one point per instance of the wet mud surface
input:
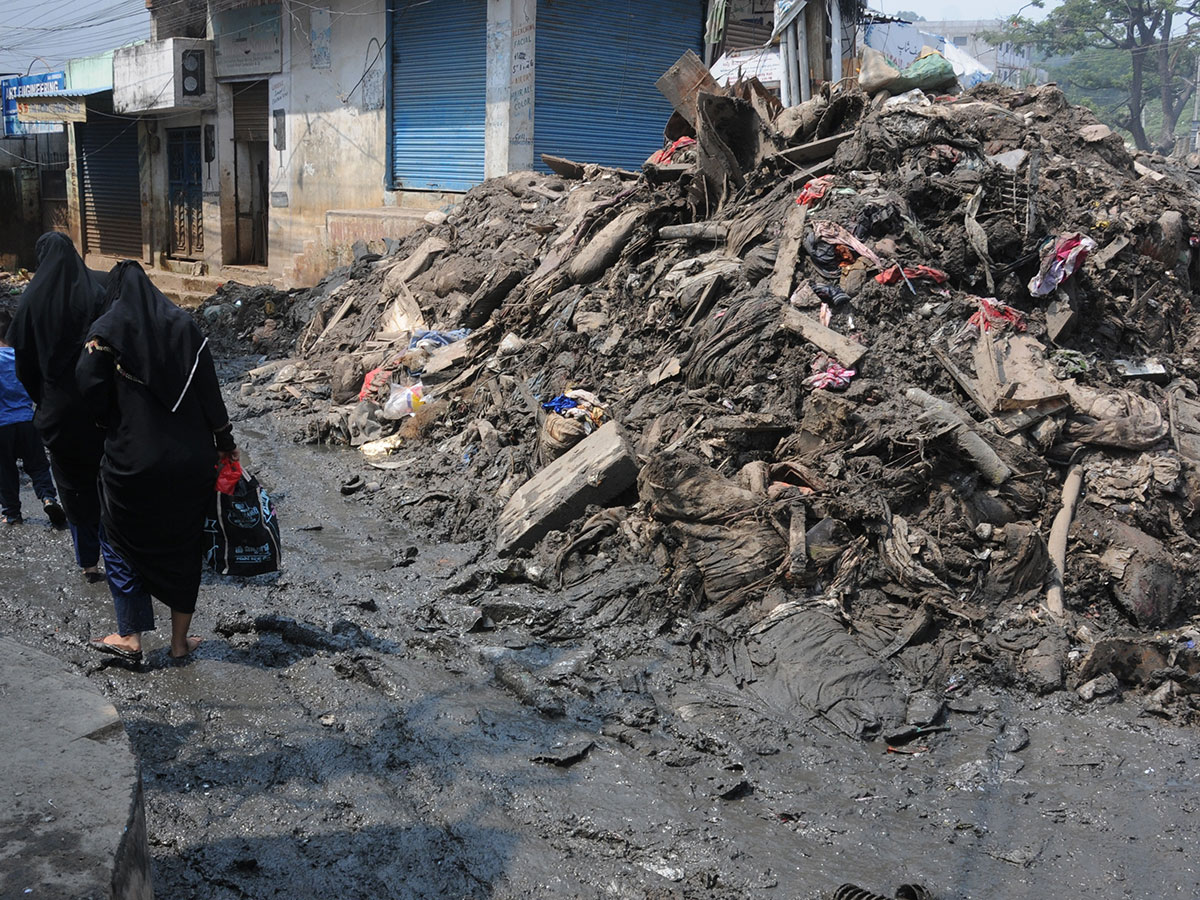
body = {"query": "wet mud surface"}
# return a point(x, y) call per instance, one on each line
point(355, 727)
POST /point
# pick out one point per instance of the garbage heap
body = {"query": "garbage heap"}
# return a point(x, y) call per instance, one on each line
point(889, 393)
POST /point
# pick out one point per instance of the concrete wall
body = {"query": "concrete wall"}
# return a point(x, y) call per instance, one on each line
point(511, 63)
point(148, 77)
point(335, 145)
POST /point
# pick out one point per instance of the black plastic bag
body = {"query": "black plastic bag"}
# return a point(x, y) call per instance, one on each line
point(242, 532)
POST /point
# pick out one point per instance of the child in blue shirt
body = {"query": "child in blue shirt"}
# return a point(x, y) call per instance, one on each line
point(19, 440)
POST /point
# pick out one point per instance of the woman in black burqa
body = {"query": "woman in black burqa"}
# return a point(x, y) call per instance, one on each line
point(147, 373)
point(53, 317)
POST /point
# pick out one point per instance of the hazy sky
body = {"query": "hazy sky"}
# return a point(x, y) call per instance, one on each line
point(936, 10)
point(57, 30)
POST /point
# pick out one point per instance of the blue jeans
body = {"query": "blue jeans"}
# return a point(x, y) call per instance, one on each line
point(134, 608)
point(86, 539)
point(21, 441)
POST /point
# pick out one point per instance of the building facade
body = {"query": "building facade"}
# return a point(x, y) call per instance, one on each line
point(275, 135)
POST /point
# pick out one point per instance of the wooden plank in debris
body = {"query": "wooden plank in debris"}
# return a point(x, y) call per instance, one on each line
point(595, 470)
point(565, 167)
point(337, 317)
point(815, 150)
point(790, 243)
point(420, 260)
point(683, 81)
point(656, 174)
point(442, 361)
point(1008, 423)
point(1013, 372)
point(1104, 256)
point(844, 350)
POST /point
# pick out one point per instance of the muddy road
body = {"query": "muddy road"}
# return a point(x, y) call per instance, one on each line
point(362, 726)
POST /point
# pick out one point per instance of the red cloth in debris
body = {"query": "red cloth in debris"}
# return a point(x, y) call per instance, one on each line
point(993, 314)
point(662, 157)
point(369, 381)
point(895, 276)
point(815, 190)
point(831, 376)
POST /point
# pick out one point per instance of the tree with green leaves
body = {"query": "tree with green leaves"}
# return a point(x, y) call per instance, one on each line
point(1157, 37)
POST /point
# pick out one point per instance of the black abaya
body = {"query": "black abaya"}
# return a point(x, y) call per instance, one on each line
point(148, 375)
point(53, 317)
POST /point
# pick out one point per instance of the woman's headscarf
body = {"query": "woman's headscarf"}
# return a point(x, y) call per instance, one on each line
point(155, 341)
point(55, 312)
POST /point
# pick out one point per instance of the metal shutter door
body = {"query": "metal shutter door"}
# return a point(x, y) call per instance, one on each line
point(596, 65)
point(251, 112)
point(439, 94)
point(110, 194)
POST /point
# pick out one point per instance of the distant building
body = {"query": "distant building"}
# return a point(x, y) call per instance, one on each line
point(1011, 65)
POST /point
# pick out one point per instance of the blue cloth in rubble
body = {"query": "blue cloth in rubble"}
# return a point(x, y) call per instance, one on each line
point(431, 340)
point(560, 404)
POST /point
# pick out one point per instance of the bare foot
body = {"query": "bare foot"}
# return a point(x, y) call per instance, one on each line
point(192, 644)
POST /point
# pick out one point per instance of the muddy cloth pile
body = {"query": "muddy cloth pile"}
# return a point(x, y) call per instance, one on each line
point(893, 393)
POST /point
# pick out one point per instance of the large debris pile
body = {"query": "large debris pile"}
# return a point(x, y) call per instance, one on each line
point(837, 372)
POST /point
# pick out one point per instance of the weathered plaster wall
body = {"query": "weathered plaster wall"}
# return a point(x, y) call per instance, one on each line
point(335, 153)
point(511, 37)
point(148, 77)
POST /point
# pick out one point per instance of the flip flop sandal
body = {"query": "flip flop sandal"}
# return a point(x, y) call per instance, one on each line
point(93, 577)
point(133, 656)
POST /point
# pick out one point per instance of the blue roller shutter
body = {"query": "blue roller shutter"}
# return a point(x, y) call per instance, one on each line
point(439, 94)
point(596, 65)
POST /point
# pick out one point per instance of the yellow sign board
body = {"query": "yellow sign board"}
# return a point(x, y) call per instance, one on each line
point(51, 109)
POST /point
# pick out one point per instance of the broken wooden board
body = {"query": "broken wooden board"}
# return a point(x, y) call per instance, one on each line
point(1008, 423)
point(1060, 318)
point(565, 167)
point(420, 260)
point(1104, 256)
point(844, 350)
point(797, 556)
point(661, 174)
point(670, 368)
point(694, 231)
point(335, 318)
point(684, 81)
point(403, 316)
point(443, 361)
point(595, 470)
point(790, 243)
point(815, 150)
point(568, 168)
point(1013, 372)
point(1147, 172)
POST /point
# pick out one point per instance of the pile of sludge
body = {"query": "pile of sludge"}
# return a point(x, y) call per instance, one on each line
point(889, 393)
